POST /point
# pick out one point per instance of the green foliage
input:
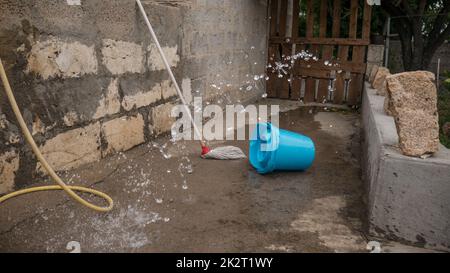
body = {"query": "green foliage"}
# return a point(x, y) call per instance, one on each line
point(379, 18)
point(446, 82)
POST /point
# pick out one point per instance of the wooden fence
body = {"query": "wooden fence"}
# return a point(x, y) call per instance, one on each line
point(335, 73)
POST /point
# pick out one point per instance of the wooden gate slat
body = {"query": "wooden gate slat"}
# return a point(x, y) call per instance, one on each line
point(366, 21)
point(339, 83)
point(283, 17)
point(273, 18)
point(273, 82)
point(359, 54)
point(295, 87)
point(286, 50)
point(310, 89)
point(310, 82)
point(309, 18)
point(352, 34)
point(353, 26)
point(296, 80)
point(295, 19)
point(322, 93)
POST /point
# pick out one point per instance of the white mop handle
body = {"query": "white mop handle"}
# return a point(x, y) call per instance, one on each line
point(166, 63)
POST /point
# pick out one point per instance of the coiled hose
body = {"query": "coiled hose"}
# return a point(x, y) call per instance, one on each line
point(70, 190)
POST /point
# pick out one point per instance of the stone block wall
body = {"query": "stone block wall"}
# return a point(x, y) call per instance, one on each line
point(375, 56)
point(90, 82)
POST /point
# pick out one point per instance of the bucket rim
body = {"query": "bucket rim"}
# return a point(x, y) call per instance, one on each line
point(266, 163)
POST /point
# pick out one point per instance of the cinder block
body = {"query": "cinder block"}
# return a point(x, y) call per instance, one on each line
point(73, 148)
point(168, 89)
point(154, 60)
point(55, 57)
point(375, 54)
point(109, 104)
point(162, 121)
point(121, 57)
point(123, 133)
point(142, 98)
point(9, 164)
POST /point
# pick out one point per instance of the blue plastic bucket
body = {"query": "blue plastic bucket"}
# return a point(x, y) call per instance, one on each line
point(273, 149)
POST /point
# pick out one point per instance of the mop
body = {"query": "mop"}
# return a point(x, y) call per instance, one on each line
point(223, 153)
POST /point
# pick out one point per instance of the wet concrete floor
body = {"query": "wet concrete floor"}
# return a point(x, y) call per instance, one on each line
point(167, 199)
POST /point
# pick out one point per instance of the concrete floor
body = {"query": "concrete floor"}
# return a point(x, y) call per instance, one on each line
point(186, 204)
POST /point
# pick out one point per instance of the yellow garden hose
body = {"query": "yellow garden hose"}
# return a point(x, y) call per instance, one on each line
point(61, 185)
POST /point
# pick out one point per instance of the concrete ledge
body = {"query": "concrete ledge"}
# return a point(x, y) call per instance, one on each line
point(408, 198)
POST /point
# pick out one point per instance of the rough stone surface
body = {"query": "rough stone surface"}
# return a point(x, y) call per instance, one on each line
point(418, 132)
point(121, 57)
point(155, 61)
point(71, 118)
point(161, 119)
point(386, 105)
point(9, 164)
point(379, 81)
point(168, 89)
point(110, 102)
point(73, 148)
point(375, 55)
point(56, 57)
point(123, 133)
point(142, 98)
point(373, 73)
point(413, 103)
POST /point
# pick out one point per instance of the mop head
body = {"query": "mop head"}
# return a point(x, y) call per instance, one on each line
point(223, 153)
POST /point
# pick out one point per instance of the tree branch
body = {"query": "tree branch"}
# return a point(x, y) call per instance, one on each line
point(441, 19)
point(407, 8)
point(432, 47)
point(391, 9)
point(421, 7)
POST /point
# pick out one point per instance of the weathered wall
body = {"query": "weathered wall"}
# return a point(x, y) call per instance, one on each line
point(375, 54)
point(90, 82)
